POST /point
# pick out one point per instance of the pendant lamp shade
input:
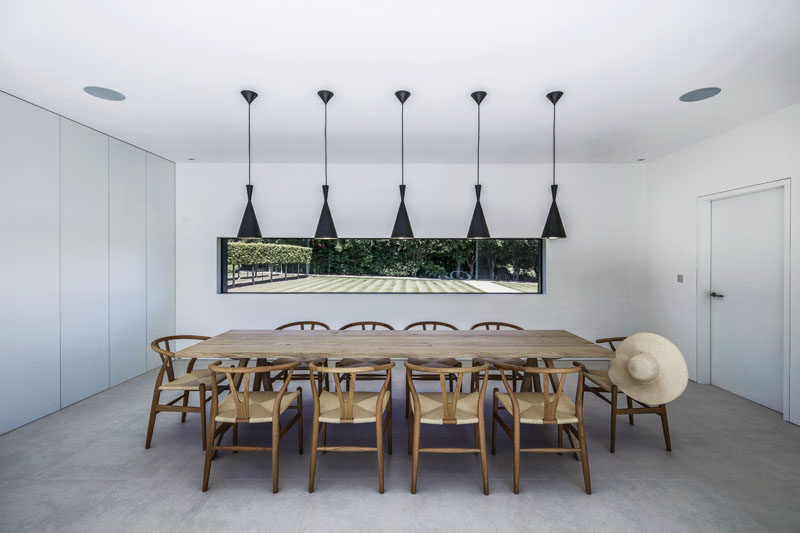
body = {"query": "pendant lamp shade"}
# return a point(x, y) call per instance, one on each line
point(553, 227)
point(249, 229)
point(325, 227)
point(402, 225)
point(477, 226)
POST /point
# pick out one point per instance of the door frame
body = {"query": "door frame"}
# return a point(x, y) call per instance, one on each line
point(704, 278)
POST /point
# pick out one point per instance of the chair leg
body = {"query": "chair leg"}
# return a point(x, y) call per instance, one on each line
point(665, 426)
point(300, 422)
point(516, 441)
point(484, 462)
point(185, 404)
point(324, 437)
point(312, 469)
point(560, 436)
point(389, 428)
point(379, 446)
point(207, 466)
point(276, 443)
point(494, 422)
point(202, 392)
point(152, 422)
point(630, 406)
point(235, 435)
point(408, 401)
point(415, 453)
point(584, 458)
point(613, 417)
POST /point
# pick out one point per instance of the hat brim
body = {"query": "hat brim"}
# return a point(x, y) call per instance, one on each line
point(673, 376)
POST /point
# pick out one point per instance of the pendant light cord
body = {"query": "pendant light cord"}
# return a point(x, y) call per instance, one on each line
point(249, 163)
point(325, 135)
point(554, 144)
point(402, 144)
point(479, 144)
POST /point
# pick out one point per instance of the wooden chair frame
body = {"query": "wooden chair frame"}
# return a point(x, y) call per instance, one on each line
point(267, 381)
point(433, 325)
point(367, 325)
point(612, 399)
point(167, 369)
point(495, 376)
point(346, 406)
point(415, 423)
point(216, 432)
point(551, 400)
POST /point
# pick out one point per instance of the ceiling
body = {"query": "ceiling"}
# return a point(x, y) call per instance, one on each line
point(622, 66)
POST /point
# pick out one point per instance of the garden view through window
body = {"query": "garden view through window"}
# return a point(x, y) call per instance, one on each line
point(456, 266)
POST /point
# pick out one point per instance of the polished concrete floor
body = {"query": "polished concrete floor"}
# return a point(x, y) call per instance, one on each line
point(735, 466)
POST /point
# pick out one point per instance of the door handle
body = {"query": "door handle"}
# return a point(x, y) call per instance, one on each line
point(716, 295)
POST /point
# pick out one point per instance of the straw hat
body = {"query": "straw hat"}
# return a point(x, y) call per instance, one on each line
point(649, 368)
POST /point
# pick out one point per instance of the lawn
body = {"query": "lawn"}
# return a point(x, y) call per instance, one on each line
point(360, 284)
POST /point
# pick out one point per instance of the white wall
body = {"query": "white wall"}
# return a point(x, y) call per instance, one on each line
point(763, 150)
point(594, 280)
point(76, 214)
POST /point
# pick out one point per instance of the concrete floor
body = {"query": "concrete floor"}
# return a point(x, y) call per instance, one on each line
point(735, 466)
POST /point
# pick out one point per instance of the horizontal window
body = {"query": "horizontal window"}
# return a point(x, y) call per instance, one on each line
point(442, 266)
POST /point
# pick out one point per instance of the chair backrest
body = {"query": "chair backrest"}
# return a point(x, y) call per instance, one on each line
point(367, 325)
point(557, 379)
point(449, 399)
point(242, 399)
point(495, 325)
point(430, 324)
point(350, 374)
point(165, 351)
point(304, 324)
point(611, 341)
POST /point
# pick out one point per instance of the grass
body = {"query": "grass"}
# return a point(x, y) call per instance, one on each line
point(360, 284)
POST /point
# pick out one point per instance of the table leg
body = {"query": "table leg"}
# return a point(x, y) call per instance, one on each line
point(530, 381)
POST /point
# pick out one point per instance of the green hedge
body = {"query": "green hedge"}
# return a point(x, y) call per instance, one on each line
point(261, 253)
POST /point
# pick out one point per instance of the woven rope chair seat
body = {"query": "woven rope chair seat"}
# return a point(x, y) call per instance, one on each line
point(531, 406)
point(347, 361)
point(364, 404)
point(516, 361)
point(304, 361)
point(444, 362)
point(599, 377)
point(192, 380)
point(432, 408)
point(260, 406)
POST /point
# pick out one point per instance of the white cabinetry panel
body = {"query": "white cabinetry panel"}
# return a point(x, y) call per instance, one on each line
point(127, 181)
point(160, 251)
point(29, 293)
point(84, 262)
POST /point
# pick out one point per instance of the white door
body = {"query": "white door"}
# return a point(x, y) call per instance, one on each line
point(747, 312)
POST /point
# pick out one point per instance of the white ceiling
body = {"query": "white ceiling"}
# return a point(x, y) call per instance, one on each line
point(622, 65)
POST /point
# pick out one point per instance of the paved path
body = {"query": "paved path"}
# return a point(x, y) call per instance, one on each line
point(490, 286)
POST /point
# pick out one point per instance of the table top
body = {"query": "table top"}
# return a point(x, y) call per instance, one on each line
point(254, 343)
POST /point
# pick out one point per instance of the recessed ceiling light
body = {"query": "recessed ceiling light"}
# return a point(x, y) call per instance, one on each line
point(700, 94)
point(104, 93)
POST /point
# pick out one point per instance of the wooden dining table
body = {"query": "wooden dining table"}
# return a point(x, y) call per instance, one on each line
point(530, 345)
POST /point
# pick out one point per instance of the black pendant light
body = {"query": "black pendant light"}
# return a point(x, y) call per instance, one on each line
point(554, 228)
point(477, 227)
point(325, 227)
point(402, 225)
point(249, 229)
